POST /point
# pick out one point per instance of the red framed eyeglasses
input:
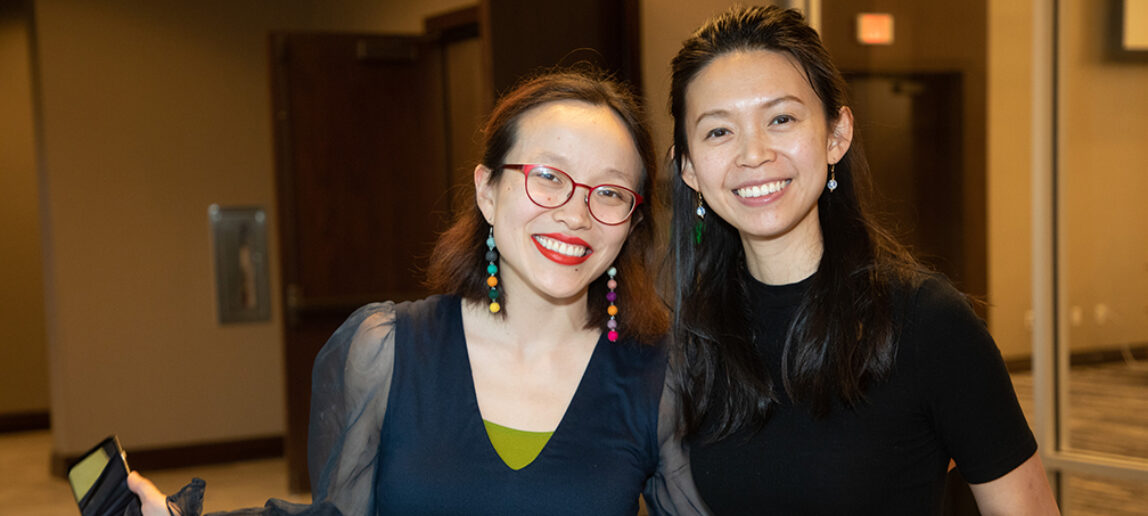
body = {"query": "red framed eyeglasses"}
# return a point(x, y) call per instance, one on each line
point(550, 187)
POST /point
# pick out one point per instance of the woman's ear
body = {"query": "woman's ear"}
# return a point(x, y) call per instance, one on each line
point(840, 135)
point(689, 176)
point(484, 194)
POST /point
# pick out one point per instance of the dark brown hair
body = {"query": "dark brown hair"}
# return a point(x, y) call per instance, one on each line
point(458, 265)
point(825, 356)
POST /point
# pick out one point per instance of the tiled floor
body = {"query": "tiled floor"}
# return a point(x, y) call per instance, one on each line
point(26, 488)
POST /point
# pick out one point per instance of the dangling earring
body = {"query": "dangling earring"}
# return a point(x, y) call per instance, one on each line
point(492, 269)
point(612, 296)
point(832, 184)
point(700, 225)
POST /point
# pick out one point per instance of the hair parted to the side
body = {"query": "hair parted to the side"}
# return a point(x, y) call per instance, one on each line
point(844, 335)
point(457, 264)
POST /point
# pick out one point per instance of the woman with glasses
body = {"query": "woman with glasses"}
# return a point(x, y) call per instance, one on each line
point(533, 383)
point(823, 370)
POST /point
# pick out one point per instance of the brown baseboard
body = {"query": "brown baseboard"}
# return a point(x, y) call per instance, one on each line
point(1083, 358)
point(24, 421)
point(189, 455)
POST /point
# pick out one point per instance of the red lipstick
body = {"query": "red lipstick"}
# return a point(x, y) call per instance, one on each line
point(541, 241)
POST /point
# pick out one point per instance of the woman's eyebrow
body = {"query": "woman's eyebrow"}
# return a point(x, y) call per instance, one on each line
point(721, 112)
point(560, 162)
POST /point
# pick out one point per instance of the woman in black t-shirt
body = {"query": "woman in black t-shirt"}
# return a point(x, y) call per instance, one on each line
point(822, 369)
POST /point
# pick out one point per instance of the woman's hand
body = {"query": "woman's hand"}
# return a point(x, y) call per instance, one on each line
point(152, 501)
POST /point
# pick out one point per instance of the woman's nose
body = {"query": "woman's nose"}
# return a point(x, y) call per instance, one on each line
point(576, 212)
point(756, 149)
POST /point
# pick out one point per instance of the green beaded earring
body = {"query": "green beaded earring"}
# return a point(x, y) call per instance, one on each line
point(492, 269)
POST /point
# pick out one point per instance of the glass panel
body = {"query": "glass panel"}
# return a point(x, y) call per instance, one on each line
point(1103, 228)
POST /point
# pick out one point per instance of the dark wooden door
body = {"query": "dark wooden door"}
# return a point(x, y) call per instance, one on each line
point(370, 130)
point(363, 188)
point(911, 125)
point(522, 36)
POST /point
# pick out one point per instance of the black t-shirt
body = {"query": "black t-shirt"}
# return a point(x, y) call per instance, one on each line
point(948, 396)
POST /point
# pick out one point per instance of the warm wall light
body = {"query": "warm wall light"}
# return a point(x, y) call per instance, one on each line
point(1135, 25)
point(875, 29)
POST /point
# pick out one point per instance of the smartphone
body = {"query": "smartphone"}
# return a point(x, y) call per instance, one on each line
point(99, 480)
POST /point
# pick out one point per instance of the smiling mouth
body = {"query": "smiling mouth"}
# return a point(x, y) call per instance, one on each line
point(750, 192)
point(563, 248)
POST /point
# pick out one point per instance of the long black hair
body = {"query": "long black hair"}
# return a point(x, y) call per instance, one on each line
point(844, 334)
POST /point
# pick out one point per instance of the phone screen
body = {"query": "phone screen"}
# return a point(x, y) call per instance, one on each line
point(84, 473)
point(99, 480)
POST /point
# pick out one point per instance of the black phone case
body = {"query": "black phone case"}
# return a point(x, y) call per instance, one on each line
point(109, 496)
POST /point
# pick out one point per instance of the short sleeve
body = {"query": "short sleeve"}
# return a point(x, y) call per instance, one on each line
point(350, 385)
point(969, 393)
point(671, 490)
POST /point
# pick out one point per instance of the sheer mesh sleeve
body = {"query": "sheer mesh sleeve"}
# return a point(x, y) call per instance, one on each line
point(350, 384)
point(671, 490)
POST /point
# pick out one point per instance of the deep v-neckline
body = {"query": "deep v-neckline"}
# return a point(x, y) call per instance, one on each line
point(474, 420)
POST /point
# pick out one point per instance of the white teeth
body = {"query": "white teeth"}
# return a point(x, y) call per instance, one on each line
point(764, 189)
point(562, 247)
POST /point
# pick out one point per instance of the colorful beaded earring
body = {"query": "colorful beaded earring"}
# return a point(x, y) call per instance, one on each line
point(832, 184)
point(700, 225)
point(492, 269)
point(612, 296)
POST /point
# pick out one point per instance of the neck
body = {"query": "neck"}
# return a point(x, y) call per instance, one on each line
point(788, 258)
point(533, 323)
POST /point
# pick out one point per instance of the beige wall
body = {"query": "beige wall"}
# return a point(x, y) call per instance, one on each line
point(1009, 175)
point(664, 24)
point(151, 111)
point(23, 352)
point(1104, 214)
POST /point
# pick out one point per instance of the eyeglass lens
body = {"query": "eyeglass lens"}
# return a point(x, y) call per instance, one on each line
point(551, 188)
